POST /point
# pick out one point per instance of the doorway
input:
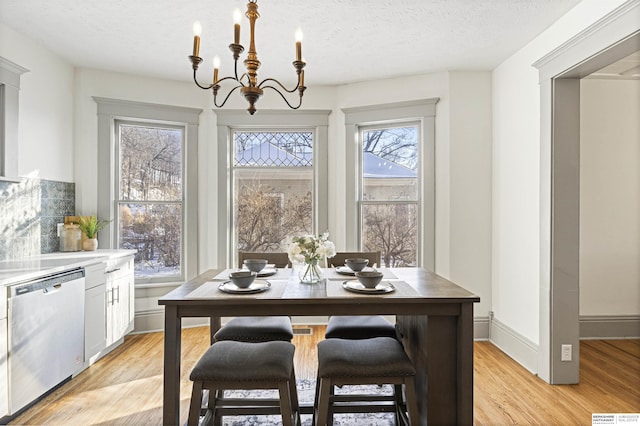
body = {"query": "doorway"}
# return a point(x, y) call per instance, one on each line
point(612, 38)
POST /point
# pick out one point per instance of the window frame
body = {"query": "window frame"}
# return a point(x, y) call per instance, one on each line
point(233, 168)
point(420, 111)
point(10, 73)
point(232, 120)
point(361, 202)
point(112, 110)
point(118, 200)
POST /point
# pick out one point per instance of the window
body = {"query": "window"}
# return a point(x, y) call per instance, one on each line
point(390, 205)
point(272, 178)
point(272, 169)
point(148, 186)
point(150, 197)
point(389, 193)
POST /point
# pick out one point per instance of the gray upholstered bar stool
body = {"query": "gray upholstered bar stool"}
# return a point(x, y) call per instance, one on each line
point(247, 366)
point(379, 360)
point(256, 329)
point(359, 327)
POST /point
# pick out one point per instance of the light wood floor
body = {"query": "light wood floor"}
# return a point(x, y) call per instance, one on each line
point(125, 387)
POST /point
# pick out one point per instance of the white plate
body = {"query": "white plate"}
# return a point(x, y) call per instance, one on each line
point(256, 287)
point(355, 286)
point(345, 270)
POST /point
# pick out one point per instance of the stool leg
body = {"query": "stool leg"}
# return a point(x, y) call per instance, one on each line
point(397, 396)
point(315, 401)
point(196, 403)
point(295, 404)
point(285, 404)
point(323, 402)
point(412, 401)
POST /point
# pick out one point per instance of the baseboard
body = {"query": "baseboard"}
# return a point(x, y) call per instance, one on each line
point(481, 328)
point(609, 327)
point(518, 347)
point(153, 320)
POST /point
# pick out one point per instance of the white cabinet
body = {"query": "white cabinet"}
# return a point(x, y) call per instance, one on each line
point(109, 305)
point(4, 385)
point(95, 311)
point(119, 298)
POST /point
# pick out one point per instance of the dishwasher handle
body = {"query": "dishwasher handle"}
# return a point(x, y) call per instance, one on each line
point(45, 283)
point(51, 289)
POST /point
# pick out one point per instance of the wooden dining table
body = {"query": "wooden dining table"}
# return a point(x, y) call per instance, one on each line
point(434, 319)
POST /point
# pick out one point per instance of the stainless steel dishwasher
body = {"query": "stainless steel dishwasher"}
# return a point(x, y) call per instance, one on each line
point(46, 335)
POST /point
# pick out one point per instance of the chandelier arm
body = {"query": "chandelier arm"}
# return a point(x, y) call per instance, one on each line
point(283, 97)
point(235, 70)
point(279, 84)
point(228, 78)
point(226, 97)
point(198, 84)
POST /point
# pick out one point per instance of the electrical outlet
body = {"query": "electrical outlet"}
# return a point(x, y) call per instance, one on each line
point(566, 353)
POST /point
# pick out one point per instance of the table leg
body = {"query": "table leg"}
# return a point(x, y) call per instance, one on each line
point(172, 344)
point(214, 326)
point(442, 354)
point(465, 364)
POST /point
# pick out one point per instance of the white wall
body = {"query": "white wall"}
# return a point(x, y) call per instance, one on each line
point(45, 130)
point(516, 173)
point(609, 197)
point(470, 184)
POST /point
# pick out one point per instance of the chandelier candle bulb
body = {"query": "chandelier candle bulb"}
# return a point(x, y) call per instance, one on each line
point(236, 26)
point(197, 30)
point(299, 36)
point(216, 67)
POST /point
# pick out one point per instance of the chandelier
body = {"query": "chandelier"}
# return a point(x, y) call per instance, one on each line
point(248, 81)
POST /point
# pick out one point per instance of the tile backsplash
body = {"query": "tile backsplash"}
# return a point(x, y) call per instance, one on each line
point(30, 210)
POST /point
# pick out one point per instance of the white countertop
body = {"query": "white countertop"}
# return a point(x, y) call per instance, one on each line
point(19, 270)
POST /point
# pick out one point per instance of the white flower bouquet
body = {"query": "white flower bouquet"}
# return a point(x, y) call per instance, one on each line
point(310, 249)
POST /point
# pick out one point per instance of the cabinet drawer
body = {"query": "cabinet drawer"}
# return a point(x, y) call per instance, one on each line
point(120, 267)
point(94, 275)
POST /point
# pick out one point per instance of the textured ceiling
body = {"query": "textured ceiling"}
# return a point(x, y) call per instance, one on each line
point(344, 40)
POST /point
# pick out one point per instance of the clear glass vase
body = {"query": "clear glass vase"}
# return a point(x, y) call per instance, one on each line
point(310, 273)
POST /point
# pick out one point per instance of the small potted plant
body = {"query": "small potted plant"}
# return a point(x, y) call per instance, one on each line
point(90, 226)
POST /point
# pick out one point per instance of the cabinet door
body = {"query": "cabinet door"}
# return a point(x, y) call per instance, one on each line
point(4, 385)
point(112, 317)
point(121, 307)
point(95, 338)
